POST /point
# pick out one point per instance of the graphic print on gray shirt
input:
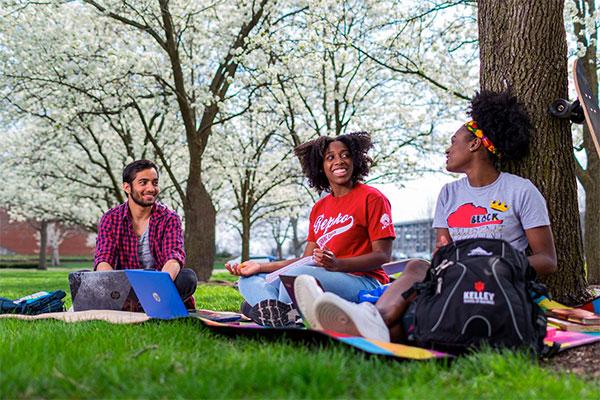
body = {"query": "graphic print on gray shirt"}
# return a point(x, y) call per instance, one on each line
point(503, 209)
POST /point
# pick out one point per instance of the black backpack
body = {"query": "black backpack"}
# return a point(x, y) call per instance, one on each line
point(478, 291)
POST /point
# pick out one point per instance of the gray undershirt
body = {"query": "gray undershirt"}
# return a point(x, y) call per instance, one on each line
point(144, 254)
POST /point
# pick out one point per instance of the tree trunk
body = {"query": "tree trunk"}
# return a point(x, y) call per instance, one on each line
point(296, 242)
point(54, 239)
point(523, 47)
point(590, 177)
point(199, 225)
point(245, 236)
point(43, 244)
point(592, 229)
point(55, 261)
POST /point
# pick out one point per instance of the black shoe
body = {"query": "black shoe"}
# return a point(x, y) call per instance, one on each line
point(273, 312)
point(245, 308)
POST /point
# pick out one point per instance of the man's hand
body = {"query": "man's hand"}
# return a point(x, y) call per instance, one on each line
point(104, 266)
point(172, 267)
point(246, 268)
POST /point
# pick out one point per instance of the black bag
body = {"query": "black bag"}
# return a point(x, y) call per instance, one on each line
point(478, 291)
point(37, 303)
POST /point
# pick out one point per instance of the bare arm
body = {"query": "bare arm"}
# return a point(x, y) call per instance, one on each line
point(541, 242)
point(172, 267)
point(382, 253)
point(442, 238)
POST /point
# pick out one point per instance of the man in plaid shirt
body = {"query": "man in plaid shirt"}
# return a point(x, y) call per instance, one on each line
point(143, 234)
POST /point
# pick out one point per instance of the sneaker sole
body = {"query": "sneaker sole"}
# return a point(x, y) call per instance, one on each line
point(271, 313)
point(334, 318)
point(306, 300)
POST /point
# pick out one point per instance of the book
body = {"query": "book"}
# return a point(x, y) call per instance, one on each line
point(398, 266)
point(576, 315)
point(572, 326)
point(273, 277)
point(220, 316)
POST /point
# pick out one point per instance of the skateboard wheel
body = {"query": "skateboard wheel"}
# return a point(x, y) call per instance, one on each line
point(577, 115)
point(561, 108)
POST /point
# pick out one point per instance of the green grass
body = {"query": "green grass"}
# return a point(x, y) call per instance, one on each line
point(181, 359)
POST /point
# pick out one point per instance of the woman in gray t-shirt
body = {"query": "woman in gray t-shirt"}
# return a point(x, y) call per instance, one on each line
point(486, 203)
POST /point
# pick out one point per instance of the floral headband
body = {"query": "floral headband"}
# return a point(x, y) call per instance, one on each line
point(487, 143)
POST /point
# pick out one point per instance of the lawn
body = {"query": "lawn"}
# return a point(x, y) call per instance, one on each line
point(181, 359)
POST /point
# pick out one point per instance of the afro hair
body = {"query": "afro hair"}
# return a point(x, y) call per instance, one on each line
point(312, 155)
point(502, 119)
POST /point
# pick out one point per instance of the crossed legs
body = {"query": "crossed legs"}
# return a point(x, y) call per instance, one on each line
point(392, 304)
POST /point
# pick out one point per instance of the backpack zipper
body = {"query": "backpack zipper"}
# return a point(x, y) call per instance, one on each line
point(508, 302)
point(446, 265)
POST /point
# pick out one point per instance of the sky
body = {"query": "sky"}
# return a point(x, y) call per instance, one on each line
point(417, 198)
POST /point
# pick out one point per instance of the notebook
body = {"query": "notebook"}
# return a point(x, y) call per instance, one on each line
point(288, 284)
point(108, 290)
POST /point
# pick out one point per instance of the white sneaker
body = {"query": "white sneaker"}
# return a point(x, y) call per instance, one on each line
point(307, 290)
point(339, 315)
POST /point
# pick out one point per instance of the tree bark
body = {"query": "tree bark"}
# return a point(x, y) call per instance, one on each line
point(42, 264)
point(590, 176)
point(200, 217)
point(246, 225)
point(523, 47)
point(296, 242)
point(55, 260)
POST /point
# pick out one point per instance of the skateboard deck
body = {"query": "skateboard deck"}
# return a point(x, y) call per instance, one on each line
point(588, 103)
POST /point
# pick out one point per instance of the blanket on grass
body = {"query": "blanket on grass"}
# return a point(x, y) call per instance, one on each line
point(233, 324)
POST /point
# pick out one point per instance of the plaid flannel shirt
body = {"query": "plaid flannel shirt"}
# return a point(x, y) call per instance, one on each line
point(117, 243)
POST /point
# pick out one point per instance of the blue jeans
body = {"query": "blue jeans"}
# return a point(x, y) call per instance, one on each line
point(255, 288)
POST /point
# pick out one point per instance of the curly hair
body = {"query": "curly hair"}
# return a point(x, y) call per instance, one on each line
point(501, 118)
point(312, 155)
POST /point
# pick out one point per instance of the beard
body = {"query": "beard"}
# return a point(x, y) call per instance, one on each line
point(139, 200)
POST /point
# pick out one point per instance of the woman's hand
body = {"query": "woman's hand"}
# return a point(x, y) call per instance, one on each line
point(246, 268)
point(442, 239)
point(326, 259)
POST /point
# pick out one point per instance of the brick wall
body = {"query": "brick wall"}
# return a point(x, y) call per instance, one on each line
point(20, 237)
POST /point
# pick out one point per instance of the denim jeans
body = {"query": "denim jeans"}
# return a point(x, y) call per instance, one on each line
point(255, 288)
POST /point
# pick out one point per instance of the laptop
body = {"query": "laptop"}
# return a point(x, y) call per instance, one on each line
point(109, 290)
point(157, 293)
point(102, 290)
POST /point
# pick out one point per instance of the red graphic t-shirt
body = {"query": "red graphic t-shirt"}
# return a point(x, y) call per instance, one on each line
point(349, 224)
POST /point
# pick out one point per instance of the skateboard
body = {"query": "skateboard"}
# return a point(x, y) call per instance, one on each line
point(585, 108)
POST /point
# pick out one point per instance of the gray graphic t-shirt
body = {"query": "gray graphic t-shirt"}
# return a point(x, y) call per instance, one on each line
point(501, 210)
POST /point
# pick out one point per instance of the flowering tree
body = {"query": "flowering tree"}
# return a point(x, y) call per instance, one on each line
point(353, 76)
point(152, 74)
point(256, 162)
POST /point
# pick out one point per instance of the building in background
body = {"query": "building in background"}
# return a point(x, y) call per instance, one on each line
point(414, 239)
point(23, 238)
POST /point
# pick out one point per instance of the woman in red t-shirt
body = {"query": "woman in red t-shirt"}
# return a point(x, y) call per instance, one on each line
point(350, 234)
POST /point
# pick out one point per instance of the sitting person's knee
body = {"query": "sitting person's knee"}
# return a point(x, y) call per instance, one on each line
point(186, 282)
point(416, 268)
